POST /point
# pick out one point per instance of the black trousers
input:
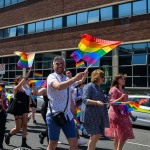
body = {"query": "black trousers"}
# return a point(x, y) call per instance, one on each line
point(43, 113)
point(2, 127)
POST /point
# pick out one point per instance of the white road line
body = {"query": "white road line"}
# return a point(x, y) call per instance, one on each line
point(139, 144)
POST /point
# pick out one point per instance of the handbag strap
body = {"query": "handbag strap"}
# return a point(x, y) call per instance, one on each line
point(66, 103)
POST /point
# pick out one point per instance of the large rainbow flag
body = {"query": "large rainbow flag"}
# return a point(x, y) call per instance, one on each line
point(91, 48)
point(26, 60)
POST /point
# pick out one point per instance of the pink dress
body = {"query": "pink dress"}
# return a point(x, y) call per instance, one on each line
point(120, 126)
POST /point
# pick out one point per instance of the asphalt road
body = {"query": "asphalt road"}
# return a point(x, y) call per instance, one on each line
point(141, 141)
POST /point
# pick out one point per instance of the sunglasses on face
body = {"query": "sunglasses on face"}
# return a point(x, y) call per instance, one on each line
point(102, 76)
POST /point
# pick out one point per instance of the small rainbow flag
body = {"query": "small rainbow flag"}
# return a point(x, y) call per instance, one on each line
point(1, 88)
point(37, 82)
point(37, 75)
point(80, 64)
point(26, 60)
point(91, 48)
point(78, 111)
point(8, 96)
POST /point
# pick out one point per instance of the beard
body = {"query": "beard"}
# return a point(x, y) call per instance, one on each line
point(60, 71)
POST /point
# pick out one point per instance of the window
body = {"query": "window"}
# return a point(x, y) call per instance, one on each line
point(139, 7)
point(1, 3)
point(1, 34)
point(20, 1)
point(93, 16)
point(39, 26)
point(139, 59)
point(20, 30)
point(125, 60)
point(139, 82)
point(106, 13)
point(140, 48)
point(125, 49)
point(48, 25)
point(139, 70)
point(148, 6)
point(6, 33)
point(123, 70)
point(148, 47)
point(12, 32)
point(14, 2)
point(57, 23)
point(7, 2)
point(82, 18)
point(31, 28)
point(71, 20)
point(125, 10)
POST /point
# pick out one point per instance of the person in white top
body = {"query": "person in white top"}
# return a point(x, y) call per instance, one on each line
point(58, 92)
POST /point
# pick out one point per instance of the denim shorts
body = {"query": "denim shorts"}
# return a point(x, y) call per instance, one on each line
point(54, 130)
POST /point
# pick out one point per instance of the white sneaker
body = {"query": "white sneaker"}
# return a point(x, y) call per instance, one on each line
point(81, 142)
point(59, 142)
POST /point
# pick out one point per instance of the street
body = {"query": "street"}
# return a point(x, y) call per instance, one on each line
point(141, 141)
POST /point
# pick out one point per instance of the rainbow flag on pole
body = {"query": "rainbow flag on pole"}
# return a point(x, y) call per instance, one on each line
point(26, 60)
point(91, 48)
point(37, 82)
point(37, 75)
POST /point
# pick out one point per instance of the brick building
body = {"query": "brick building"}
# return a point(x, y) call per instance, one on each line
point(53, 27)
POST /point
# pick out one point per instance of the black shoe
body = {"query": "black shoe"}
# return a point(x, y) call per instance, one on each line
point(25, 145)
point(7, 139)
point(41, 138)
point(34, 122)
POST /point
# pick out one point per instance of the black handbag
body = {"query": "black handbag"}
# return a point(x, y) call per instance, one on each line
point(11, 106)
point(59, 117)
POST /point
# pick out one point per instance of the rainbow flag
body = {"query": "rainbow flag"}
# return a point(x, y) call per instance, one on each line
point(78, 111)
point(26, 60)
point(80, 64)
point(8, 96)
point(37, 82)
point(37, 75)
point(1, 88)
point(91, 48)
point(127, 106)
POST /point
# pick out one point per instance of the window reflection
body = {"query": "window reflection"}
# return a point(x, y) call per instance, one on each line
point(7, 2)
point(139, 59)
point(1, 34)
point(139, 48)
point(1, 3)
point(125, 49)
point(93, 16)
point(82, 18)
point(106, 13)
point(12, 32)
point(57, 23)
point(20, 30)
point(139, 7)
point(6, 33)
point(71, 20)
point(31, 28)
point(123, 70)
point(48, 25)
point(39, 26)
point(139, 71)
point(139, 82)
point(125, 10)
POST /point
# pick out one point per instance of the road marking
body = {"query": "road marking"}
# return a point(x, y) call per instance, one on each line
point(139, 144)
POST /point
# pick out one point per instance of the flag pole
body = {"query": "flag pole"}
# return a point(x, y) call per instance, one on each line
point(88, 67)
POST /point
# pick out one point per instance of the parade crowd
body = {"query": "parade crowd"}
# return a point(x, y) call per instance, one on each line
point(69, 105)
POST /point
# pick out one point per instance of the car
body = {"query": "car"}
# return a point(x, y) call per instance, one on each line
point(143, 114)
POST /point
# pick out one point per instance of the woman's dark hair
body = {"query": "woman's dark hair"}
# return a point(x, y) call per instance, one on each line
point(116, 78)
point(17, 78)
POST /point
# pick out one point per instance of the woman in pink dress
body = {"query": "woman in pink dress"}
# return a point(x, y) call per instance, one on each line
point(120, 127)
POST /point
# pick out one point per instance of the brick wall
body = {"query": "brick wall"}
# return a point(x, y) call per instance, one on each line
point(127, 29)
point(30, 10)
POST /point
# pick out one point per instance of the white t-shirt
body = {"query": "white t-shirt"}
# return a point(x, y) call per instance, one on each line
point(58, 98)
